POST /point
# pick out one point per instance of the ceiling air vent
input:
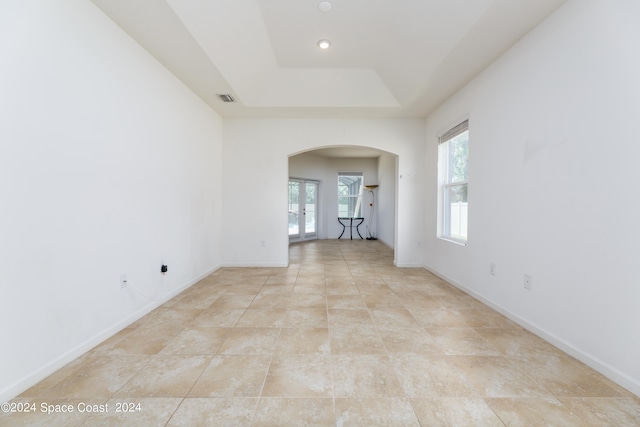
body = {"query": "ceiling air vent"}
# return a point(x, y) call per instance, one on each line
point(226, 97)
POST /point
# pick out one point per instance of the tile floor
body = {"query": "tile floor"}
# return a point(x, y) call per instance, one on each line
point(341, 337)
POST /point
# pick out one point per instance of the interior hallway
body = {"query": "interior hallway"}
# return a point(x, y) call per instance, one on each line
point(341, 337)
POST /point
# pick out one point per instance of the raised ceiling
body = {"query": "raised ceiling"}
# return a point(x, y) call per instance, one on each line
point(388, 58)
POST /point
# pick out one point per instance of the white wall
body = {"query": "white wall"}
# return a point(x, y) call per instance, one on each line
point(256, 172)
point(553, 157)
point(325, 170)
point(108, 166)
point(385, 210)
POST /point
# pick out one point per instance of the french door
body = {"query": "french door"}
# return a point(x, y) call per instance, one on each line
point(303, 209)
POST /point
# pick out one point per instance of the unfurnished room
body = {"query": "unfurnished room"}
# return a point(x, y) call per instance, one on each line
point(322, 213)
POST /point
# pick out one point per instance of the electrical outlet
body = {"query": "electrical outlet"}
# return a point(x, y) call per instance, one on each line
point(492, 269)
point(123, 281)
point(528, 282)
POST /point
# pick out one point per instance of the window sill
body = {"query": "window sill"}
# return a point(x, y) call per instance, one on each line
point(450, 240)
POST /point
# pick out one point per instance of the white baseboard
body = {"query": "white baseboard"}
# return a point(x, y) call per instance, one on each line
point(402, 265)
point(256, 264)
point(43, 372)
point(605, 369)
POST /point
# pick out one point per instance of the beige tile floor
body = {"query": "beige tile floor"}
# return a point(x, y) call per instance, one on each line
point(341, 337)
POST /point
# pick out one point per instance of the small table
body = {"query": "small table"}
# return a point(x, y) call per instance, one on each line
point(350, 225)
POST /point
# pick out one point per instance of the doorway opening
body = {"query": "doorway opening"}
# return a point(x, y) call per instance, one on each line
point(330, 166)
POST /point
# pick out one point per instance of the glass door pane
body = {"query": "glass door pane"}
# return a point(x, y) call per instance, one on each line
point(310, 213)
point(294, 208)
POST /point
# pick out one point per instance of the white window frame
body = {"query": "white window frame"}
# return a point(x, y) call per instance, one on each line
point(445, 186)
point(356, 196)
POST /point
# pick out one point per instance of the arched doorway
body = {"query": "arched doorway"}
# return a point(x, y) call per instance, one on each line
point(324, 165)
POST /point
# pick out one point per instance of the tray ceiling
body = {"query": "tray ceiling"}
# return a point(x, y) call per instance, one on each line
point(398, 58)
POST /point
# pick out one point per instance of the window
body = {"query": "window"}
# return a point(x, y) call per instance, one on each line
point(349, 194)
point(453, 159)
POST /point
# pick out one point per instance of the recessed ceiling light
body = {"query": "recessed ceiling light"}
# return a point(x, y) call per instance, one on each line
point(324, 44)
point(324, 6)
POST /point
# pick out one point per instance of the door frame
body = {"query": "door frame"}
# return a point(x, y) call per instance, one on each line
point(302, 234)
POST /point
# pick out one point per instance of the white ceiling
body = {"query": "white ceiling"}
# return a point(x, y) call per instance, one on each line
point(389, 58)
